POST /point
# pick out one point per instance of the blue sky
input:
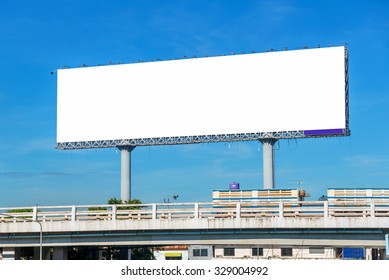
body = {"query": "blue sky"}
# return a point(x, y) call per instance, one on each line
point(38, 37)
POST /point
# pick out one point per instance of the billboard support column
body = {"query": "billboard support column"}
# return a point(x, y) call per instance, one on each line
point(268, 162)
point(125, 182)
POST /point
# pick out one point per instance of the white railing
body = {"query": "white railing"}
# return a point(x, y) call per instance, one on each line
point(198, 210)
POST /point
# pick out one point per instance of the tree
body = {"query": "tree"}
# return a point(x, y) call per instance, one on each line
point(142, 253)
point(114, 200)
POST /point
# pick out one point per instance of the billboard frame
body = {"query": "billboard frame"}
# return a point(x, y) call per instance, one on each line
point(195, 139)
point(178, 140)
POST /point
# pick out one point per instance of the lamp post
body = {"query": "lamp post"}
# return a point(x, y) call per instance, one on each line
point(167, 199)
point(40, 230)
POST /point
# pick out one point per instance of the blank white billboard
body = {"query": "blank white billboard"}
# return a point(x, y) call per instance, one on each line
point(300, 90)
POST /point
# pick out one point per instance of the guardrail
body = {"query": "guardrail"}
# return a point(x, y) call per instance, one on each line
point(197, 210)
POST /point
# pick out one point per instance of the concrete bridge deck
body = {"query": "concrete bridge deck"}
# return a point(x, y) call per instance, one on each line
point(309, 223)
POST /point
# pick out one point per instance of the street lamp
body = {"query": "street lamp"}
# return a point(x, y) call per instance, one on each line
point(40, 230)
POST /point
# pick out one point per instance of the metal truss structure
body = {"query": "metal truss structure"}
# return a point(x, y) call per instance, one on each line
point(189, 139)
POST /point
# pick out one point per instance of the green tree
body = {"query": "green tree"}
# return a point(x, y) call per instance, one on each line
point(134, 202)
point(114, 200)
point(142, 253)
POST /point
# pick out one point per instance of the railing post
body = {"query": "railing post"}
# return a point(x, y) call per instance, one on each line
point(34, 213)
point(114, 212)
point(154, 211)
point(73, 213)
point(326, 213)
point(372, 208)
point(238, 210)
point(196, 210)
point(281, 209)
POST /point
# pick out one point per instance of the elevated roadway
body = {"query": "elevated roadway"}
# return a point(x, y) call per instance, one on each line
point(312, 223)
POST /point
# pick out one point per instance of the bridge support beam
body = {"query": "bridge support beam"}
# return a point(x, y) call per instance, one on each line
point(125, 184)
point(268, 162)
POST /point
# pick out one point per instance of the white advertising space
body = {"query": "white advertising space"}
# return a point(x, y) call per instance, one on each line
point(248, 93)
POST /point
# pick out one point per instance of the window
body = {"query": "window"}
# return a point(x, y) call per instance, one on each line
point(200, 252)
point(286, 252)
point(257, 251)
point(316, 250)
point(229, 252)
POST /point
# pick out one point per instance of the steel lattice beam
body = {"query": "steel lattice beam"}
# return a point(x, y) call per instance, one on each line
point(188, 140)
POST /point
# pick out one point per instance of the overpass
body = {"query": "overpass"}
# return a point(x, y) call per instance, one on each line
point(305, 223)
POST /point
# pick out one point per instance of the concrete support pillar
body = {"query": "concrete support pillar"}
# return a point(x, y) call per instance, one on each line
point(281, 209)
point(238, 210)
point(154, 211)
point(74, 217)
point(35, 213)
point(196, 210)
point(114, 212)
point(268, 162)
point(372, 209)
point(125, 184)
point(326, 213)
point(60, 253)
point(369, 253)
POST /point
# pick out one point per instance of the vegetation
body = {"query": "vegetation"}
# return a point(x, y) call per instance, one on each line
point(16, 211)
point(142, 253)
point(20, 211)
point(134, 202)
point(114, 200)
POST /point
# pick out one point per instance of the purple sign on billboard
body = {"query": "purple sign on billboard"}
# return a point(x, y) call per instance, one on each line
point(334, 131)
